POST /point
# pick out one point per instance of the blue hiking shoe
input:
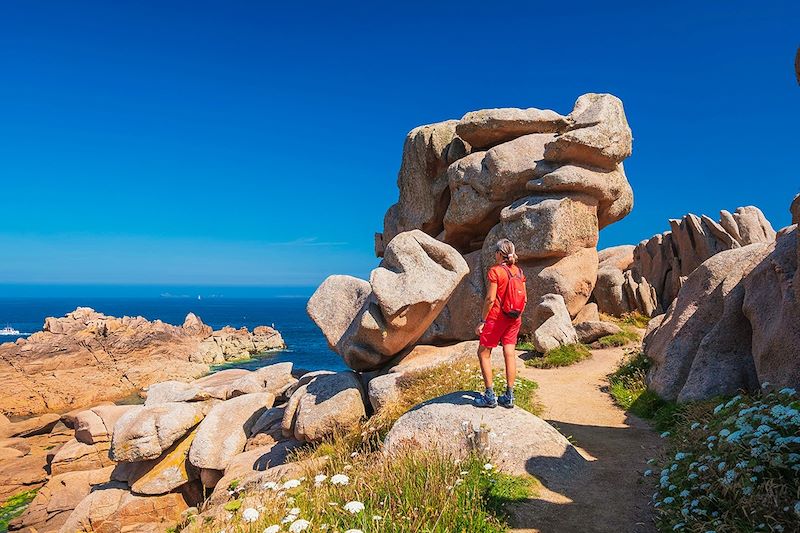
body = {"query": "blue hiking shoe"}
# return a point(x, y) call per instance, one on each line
point(506, 400)
point(487, 399)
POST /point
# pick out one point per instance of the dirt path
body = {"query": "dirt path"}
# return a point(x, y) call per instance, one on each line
point(609, 494)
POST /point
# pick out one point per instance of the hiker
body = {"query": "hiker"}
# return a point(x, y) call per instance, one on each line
point(500, 321)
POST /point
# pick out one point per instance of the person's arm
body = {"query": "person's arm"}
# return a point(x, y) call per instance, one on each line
point(488, 302)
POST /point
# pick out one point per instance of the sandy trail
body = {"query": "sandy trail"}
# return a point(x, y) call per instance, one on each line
point(609, 494)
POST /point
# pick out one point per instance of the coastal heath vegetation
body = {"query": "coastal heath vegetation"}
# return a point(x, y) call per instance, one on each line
point(732, 466)
point(361, 489)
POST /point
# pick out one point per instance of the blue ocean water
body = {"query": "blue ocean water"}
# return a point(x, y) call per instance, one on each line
point(306, 346)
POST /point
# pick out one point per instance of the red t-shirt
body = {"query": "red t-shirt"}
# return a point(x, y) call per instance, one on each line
point(499, 275)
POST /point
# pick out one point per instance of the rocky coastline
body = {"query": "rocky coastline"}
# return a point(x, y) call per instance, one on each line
point(87, 357)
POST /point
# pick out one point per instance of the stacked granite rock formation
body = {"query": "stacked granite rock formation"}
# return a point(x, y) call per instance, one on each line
point(86, 357)
point(735, 323)
point(548, 182)
point(646, 278)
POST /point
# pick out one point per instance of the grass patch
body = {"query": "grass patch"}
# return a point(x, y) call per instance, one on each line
point(15, 506)
point(414, 491)
point(734, 466)
point(622, 338)
point(565, 355)
point(628, 388)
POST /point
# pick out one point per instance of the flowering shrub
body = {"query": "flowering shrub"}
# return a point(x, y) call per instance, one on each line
point(733, 467)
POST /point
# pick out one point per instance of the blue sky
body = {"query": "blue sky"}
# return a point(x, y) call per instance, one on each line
point(236, 143)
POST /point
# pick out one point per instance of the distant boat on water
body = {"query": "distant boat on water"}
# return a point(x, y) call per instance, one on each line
point(8, 330)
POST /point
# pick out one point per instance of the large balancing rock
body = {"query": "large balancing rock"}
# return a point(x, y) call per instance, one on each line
point(368, 324)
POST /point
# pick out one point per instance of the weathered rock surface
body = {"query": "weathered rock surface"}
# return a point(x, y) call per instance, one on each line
point(162, 475)
point(38, 425)
point(588, 313)
point(145, 432)
point(556, 327)
point(772, 306)
point(423, 185)
point(224, 432)
point(599, 135)
point(661, 264)
point(58, 498)
point(795, 210)
point(589, 332)
point(326, 405)
point(490, 127)
point(74, 456)
point(96, 425)
point(702, 346)
point(86, 357)
point(519, 442)
point(249, 464)
point(113, 509)
point(409, 288)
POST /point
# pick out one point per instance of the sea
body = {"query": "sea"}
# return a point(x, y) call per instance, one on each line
point(306, 346)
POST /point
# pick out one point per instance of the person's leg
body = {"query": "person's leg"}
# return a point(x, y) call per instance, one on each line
point(510, 357)
point(488, 398)
point(485, 360)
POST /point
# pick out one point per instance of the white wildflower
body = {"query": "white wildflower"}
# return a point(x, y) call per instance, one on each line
point(488, 466)
point(272, 529)
point(270, 485)
point(294, 511)
point(353, 531)
point(250, 515)
point(354, 507)
point(340, 479)
point(319, 479)
point(299, 525)
point(292, 483)
point(377, 518)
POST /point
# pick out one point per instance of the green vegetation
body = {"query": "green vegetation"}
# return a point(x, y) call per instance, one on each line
point(732, 467)
point(565, 355)
point(634, 319)
point(14, 506)
point(627, 387)
point(622, 338)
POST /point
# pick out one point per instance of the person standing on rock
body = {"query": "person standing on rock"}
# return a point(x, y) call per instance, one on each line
point(500, 321)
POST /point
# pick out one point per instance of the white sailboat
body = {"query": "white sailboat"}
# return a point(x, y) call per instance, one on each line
point(8, 330)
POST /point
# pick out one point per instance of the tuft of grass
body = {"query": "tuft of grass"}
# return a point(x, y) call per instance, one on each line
point(732, 467)
point(412, 491)
point(619, 339)
point(15, 506)
point(628, 387)
point(565, 355)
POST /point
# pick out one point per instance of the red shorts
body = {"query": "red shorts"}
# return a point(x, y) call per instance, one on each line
point(499, 330)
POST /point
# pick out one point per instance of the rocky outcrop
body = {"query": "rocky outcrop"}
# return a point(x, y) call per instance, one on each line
point(516, 441)
point(651, 280)
point(370, 323)
point(327, 405)
point(145, 432)
point(546, 181)
point(555, 328)
point(86, 357)
point(733, 325)
point(55, 501)
point(590, 331)
point(223, 433)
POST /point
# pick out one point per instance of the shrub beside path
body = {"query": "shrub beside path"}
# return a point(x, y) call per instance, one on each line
point(610, 493)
